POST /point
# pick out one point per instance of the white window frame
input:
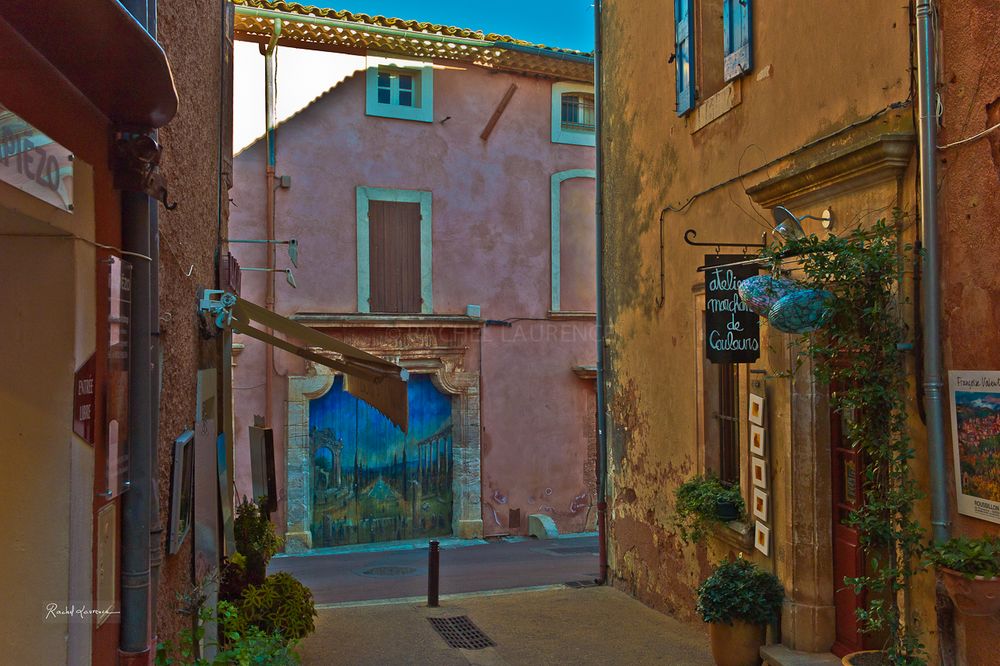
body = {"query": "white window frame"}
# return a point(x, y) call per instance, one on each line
point(366, 194)
point(423, 89)
point(560, 135)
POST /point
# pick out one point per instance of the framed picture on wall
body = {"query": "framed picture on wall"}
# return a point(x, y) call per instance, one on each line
point(758, 473)
point(762, 538)
point(760, 504)
point(181, 491)
point(755, 411)
point(757, 440)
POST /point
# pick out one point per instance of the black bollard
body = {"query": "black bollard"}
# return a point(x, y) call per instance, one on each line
point(433, 566)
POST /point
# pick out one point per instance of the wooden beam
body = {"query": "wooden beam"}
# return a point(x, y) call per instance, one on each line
point(498, 112)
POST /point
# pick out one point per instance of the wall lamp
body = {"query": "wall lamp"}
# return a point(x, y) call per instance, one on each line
point(293, 246)
point(286, 271)
point(789, 226)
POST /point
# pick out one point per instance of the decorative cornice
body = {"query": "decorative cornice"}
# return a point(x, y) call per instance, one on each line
point(881, 159)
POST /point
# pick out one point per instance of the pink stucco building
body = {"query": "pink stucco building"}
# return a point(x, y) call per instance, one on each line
point(442, 201)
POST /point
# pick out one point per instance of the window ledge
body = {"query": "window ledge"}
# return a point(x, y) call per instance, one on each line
point(736, 533)
point(386, 320)
point(717, 105)
point(572, 314)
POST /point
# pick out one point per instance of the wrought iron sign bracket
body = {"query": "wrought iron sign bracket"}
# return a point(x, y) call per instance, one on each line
point(691, 233)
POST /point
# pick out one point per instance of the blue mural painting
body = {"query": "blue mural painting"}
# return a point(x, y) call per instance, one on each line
point(370, 481)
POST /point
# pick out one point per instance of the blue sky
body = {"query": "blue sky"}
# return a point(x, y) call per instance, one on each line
point(564, 23)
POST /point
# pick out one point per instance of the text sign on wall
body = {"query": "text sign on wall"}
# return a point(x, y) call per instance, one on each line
point(732, 331)
point(83, 400)
point(118, 274)
point(34, 163)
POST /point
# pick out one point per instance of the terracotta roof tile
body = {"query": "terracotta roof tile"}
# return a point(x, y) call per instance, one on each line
point(486, 50)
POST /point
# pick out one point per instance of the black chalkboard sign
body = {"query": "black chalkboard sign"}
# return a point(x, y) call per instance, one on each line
point(732, 331)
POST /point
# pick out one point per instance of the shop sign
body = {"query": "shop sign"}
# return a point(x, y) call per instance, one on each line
point(732, 331)
point(975, 436)
point(34, 163)
point(83, 400)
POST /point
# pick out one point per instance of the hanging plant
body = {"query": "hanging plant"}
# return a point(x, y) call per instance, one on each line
point(857, 278)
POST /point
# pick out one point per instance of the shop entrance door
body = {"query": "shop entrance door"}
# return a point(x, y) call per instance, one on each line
point(847, 553)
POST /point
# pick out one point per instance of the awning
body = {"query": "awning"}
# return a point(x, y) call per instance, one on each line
point(378, 382)
point(104, 52)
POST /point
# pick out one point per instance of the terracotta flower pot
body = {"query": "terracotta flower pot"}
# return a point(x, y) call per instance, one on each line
point(736, 644)
point(972, 596)
point(862, 658)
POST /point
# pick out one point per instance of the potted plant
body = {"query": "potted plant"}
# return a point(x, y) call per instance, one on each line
point(970, 571)
point(738, 601)
point(702, 501)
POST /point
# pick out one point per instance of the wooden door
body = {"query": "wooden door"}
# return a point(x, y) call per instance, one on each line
point(847, 554)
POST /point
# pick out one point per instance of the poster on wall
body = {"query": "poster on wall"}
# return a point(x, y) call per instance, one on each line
point(975, 436)
point(732, 330)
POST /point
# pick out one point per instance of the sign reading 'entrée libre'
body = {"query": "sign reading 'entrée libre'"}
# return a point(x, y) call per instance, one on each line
point(732, 331)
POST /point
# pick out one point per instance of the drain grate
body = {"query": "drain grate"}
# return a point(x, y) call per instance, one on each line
point(389, 571)
point(460, 632)
point(581, 583)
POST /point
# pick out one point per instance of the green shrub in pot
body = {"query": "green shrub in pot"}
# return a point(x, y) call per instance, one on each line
point(739, 591)
point(738, 601)
point(970, 571)
point(702, 501)
point(969, 557)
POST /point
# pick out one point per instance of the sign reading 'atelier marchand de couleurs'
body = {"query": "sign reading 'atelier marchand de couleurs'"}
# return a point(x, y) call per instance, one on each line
point(732, 331)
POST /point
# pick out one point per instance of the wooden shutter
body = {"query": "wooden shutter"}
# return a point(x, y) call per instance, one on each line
point(737, 37)
point(684, 54)
point(394, 256)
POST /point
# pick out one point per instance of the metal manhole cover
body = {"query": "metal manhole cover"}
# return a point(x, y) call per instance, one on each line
point(389, 571)
point(460, 632)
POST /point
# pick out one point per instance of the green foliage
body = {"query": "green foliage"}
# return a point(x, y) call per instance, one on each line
point(697, 502)
point(256, 540)
point(281, 604)
point(857, 354)
point(970, 557)
point(243, 646)
point(738, 590)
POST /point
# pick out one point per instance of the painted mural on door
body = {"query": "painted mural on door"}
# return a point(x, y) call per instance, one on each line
point(370, 481)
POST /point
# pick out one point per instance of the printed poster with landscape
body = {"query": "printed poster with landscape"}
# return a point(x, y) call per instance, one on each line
point(975, 429)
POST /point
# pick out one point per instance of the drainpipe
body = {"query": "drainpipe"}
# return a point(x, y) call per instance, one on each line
point(930, 278)
point(137, 502)
point(602, 433)
point(269, 113)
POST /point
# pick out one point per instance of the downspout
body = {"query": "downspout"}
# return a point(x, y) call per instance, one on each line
point(602, 441)
point(156, 363)
point(137, 501)
point(930, 274)
point(269, 113)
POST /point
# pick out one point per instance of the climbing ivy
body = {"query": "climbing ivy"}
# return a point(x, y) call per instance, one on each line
point(858, 354)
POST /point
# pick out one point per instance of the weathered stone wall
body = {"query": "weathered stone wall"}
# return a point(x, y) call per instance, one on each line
point(817, 73)
point(191, 36)
point(969, 209)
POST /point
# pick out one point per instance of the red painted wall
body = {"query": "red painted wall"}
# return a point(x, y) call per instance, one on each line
point(969, 208)
point(491, 247)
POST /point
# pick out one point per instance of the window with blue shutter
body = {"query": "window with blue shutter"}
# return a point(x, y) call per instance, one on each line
point(736, 26)
point(684, 54)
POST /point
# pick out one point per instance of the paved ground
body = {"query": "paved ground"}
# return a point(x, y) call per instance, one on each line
point(596, 625)
point(358, 574)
